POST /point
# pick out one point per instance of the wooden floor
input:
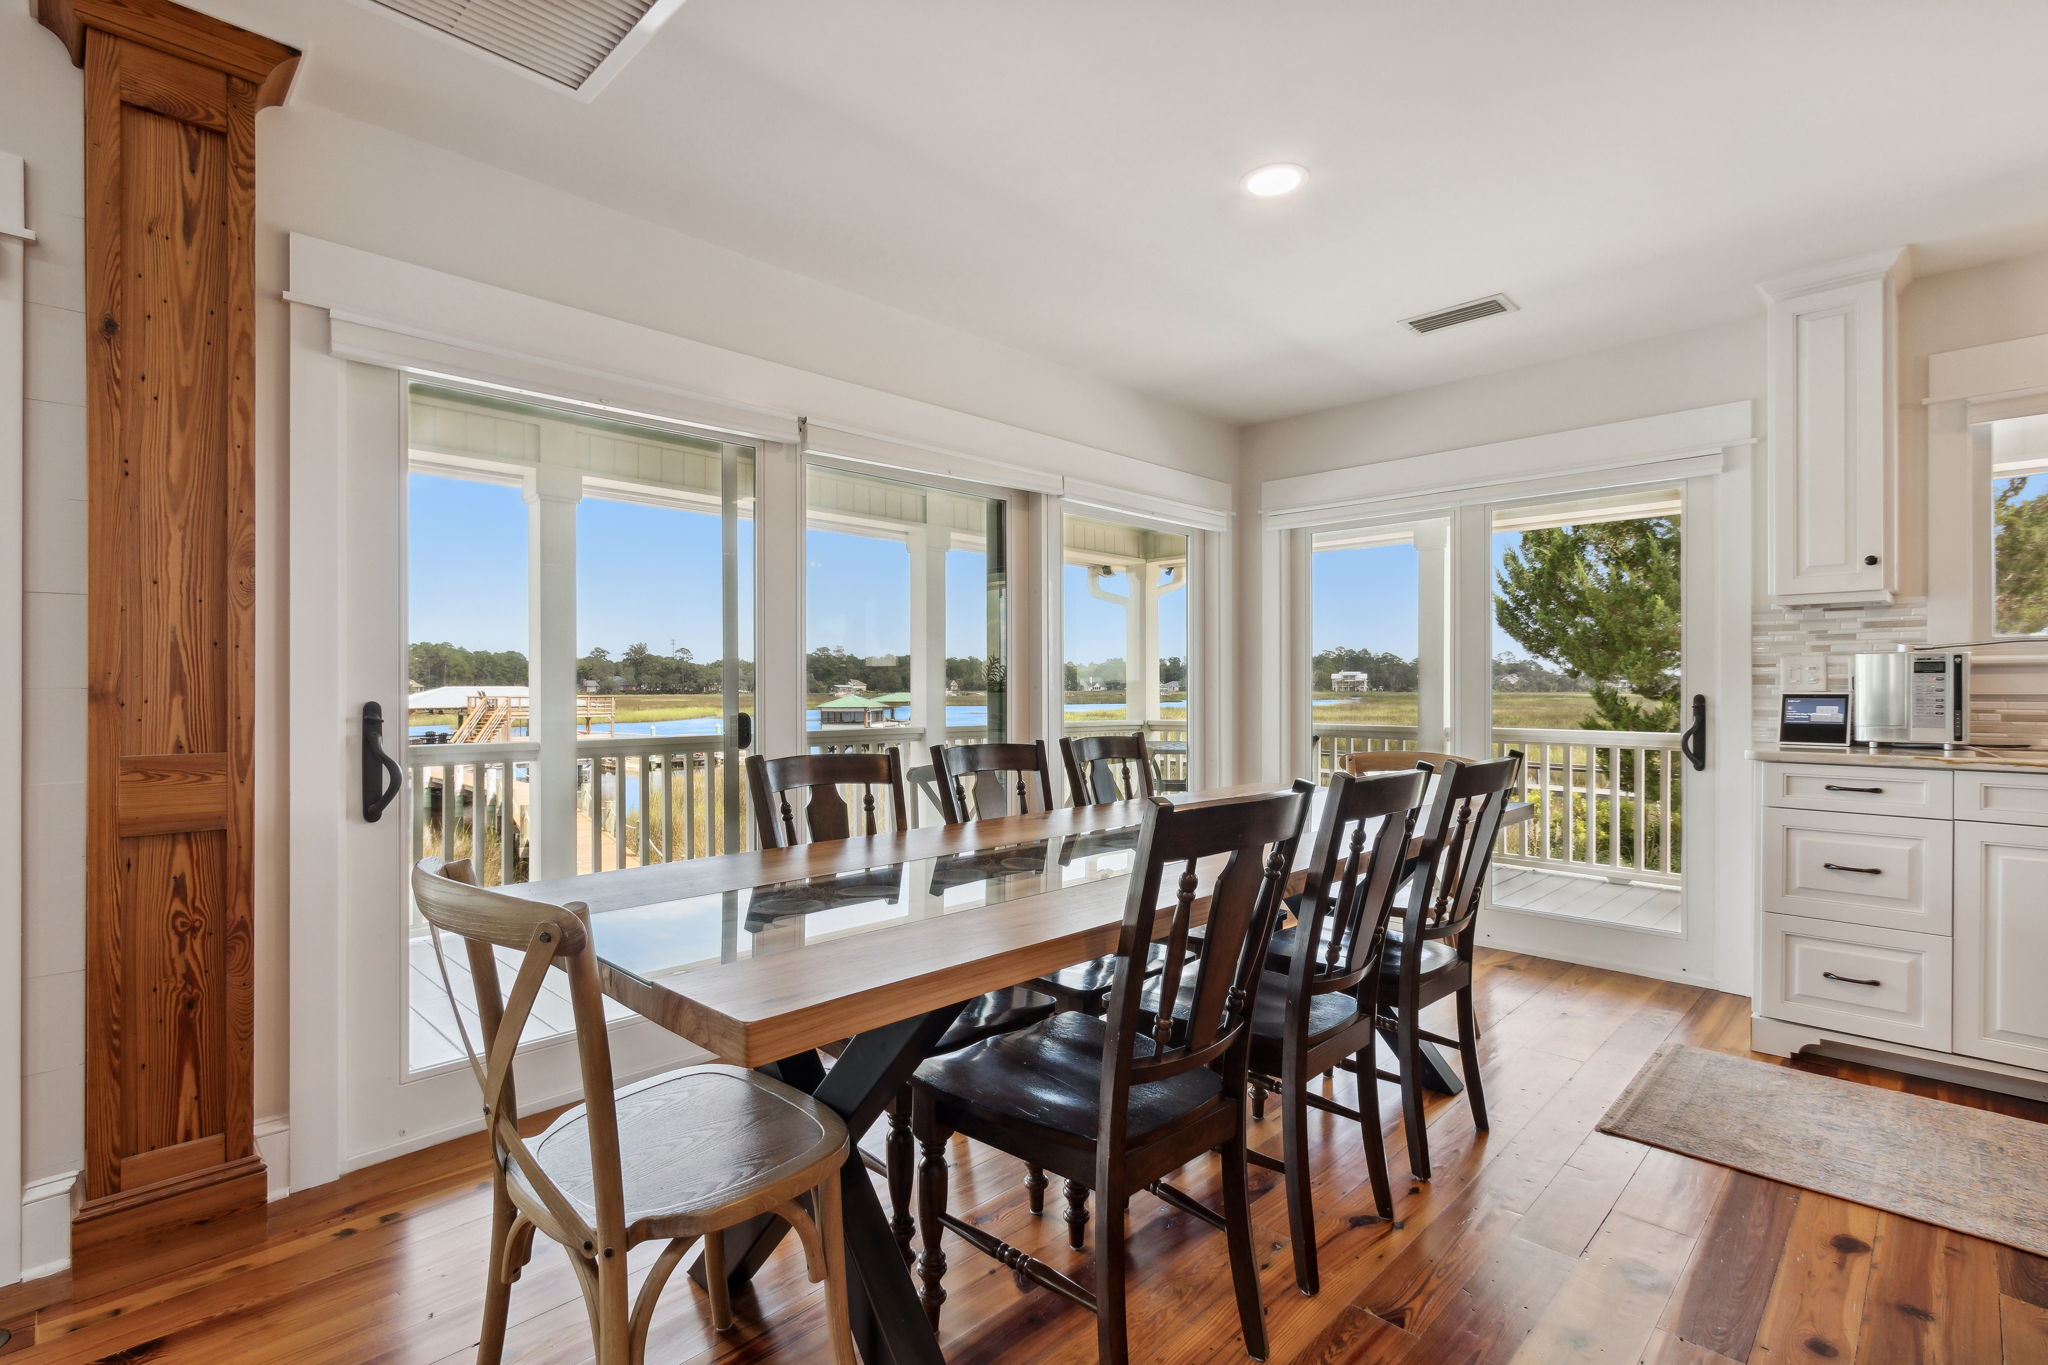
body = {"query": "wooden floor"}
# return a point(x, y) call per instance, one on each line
point(1540, 1241)
point(1603, 901)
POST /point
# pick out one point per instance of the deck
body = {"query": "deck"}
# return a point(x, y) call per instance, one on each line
point(1602, 900)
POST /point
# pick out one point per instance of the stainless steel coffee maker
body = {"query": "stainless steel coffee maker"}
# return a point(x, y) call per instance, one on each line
point(1910, 697)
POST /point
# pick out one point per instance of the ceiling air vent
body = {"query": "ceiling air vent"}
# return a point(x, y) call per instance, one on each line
point(577, 44)
point(1464, 312)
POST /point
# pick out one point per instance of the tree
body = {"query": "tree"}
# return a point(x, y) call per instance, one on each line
point(1601, 603)
point(2020, 559)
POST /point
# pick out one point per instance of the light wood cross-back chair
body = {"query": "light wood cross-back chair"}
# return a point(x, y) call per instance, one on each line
point(973, 785)
point(1105, 768)
point(819, 778)
point(675, 1158)
point(1432, 957)
point(1116, 1104)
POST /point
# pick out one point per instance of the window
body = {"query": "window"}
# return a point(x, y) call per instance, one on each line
point(906, 625)
point(1365, 637)
point(2019, 524)
point(1124, 613)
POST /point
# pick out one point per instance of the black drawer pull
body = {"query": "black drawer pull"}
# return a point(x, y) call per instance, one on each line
point(1864, 871)
point(1851, 980)
point(1866, 791)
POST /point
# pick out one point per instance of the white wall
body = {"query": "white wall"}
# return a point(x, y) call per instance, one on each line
point(1668, 374)
point(347, 182)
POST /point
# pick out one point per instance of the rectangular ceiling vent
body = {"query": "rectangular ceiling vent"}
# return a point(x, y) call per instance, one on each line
point(577, 44)
point(1487, 307)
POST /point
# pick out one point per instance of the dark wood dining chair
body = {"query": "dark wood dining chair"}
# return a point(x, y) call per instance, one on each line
point(1112, 1105)
point(676, 1158)
point(1432, 957)
point(1106, 768)
point(818, 780)
point(1322, 1009)
point(983, 781)
point(821, 775)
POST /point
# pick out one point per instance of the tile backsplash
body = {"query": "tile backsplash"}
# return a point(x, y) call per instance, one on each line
point(1779, 632)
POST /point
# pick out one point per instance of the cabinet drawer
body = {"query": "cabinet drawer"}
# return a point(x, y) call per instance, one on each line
point(1878, 983)
point(1877, 791)
point(2003, 798)
point(1879, 870)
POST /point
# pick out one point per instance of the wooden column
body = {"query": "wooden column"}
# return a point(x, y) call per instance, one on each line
point(171, 1170)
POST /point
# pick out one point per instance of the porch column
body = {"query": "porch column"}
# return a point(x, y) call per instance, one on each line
point(552, 492)
point(1432, 642)
point(928, 545)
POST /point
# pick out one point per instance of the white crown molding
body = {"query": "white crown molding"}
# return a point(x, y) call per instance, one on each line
point(1895, 263)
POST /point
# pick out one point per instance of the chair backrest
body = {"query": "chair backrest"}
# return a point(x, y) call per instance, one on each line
point(975, 780)
point(1461, 824)
point(547, 935)
point(1399, 761)
point(1355, 871)
point(1106, 768)
point(1246, 849)
point(818, 778)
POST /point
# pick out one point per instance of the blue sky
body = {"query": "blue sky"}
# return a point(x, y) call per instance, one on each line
point(651, 574)
point(1366, 599)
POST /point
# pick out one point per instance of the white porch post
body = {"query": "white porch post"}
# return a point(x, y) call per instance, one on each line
point(552, 492)
point(928, 546)
point(1433, 642)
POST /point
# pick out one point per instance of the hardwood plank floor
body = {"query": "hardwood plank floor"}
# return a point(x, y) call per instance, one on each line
point(1541, 1240)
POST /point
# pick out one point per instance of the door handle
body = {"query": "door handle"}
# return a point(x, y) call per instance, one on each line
point(1866, 791)
point(1852, 980)
point(378, 767)
point(1864, 871)
point(743, 731)
point(1693, 743)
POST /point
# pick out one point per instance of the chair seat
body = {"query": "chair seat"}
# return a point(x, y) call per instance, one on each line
point(1096, 977)
point(1436, 956)
point(1326, 1012)
point(1049, 1076)
point(1002, 1011)
point(694, 1145)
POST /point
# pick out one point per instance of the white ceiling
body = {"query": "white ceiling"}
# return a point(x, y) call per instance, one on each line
point(1061, 175)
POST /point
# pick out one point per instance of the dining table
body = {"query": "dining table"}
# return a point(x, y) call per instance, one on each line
point(867, 947)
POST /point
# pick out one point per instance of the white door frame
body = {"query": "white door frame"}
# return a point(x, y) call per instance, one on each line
point(1709, 451)
point(14, 235)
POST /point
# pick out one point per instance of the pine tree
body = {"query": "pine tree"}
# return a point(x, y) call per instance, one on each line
point(1601, 603)
point(2021, 558)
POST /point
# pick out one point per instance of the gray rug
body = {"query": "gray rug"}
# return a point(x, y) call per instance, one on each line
point(1971, 1170)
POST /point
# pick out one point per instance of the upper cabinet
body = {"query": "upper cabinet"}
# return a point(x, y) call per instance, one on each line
point(1832, 431)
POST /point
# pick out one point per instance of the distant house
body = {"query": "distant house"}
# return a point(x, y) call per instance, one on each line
point(1351, 680)
point(848, 689)
point(864, 710)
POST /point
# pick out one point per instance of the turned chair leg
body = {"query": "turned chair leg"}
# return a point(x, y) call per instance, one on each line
point(901, 1162)
point(931, 1209)
point(1258, 1102)
point(1468, 1051)
point(1034, 1188)
point(1077, 1215)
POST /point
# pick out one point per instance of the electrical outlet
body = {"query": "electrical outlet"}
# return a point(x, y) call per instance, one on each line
point(1803, 673)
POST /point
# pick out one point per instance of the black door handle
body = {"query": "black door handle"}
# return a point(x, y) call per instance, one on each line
point(1852, 980)
point(1865, 871)
point(743, 731)
point(378, 766)
point(1866, 791)
point(1693, 743)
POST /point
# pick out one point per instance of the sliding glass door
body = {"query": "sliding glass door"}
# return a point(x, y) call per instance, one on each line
point(1376, 639)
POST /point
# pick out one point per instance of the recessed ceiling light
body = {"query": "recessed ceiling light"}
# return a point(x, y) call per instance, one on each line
point(1270, 182)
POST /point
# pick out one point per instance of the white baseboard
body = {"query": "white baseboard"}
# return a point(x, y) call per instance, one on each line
point(274, 1145)
point(46, 1209)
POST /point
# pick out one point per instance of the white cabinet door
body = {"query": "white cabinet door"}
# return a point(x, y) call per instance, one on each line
point(2001, 926)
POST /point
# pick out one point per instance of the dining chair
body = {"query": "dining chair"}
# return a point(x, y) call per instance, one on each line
point(1106, 768)
point(819, 778)
point(974, 785)
point(1322, 1008)
point(1432, 957)
point(675, 1158)
point(1012, 1007)
point(1115, 1107)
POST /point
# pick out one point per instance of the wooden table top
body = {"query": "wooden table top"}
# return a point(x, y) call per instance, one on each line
point(759, 956)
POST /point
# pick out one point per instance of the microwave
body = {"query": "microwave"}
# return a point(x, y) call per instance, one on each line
point(1910, 697)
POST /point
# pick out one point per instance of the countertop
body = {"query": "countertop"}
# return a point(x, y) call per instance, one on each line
point(1992, 761)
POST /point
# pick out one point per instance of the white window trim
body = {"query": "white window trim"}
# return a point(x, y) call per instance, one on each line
point(14, 237)
point(1965, 387)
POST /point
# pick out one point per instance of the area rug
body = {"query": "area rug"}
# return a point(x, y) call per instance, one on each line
point(1971, 1170)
